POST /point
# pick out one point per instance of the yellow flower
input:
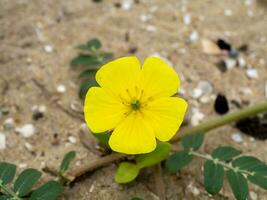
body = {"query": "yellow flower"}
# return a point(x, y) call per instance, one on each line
point(136, 103)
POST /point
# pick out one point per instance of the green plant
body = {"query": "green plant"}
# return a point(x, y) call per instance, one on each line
point(91, 58)
point(22, 187)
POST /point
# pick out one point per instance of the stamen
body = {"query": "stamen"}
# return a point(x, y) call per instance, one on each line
point(135, 104)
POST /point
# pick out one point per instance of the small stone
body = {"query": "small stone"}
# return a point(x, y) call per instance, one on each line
point(252, 73)
point(237, 138)
point(197, 117)
point(228, 12)
point(2, 141)
point(205, 87)
point(26, 130)
point(253, 195)
point(28, 146)
point(151, 28)
point(72, 139)
point(126, 4)
point(241, 62)
point(145, 18)
point(209, 47)
point(61, 88)
point(233, 53)
point(230, 63)
point(221, 105)
point(195, 191)
point(48, 48)
point(22, 165)
point(9, 123)
point(193, 37)
point(206, 99)
point(187, 19)
point(196, 93)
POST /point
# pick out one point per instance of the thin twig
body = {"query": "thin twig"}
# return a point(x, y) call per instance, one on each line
point(160, 186)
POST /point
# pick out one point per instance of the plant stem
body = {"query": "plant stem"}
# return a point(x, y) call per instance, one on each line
point(222, 120)
point(224, 164)
point(9, 192)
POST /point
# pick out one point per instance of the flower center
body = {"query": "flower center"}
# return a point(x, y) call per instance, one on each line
point(135, 104)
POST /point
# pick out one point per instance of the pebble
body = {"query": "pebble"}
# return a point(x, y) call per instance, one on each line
point(72, 139)
point(241, 62)
point(228, 12)
point(253, 195)
point(252, 73)
point(236, 137)
point(145, 18)
point(22, 165)
point(197, 117)
point(187, 19)
point(48, 48)
point(28, 146)
point(61, 88)
point(2, 141)
point(205, 87)
point(230, 63)
point(126, 4)
point(151, 28)
point(26, 130)
point(9, 123)
point(193, 37)
point(196, 93)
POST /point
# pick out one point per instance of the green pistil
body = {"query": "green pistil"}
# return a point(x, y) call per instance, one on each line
point(135, 104)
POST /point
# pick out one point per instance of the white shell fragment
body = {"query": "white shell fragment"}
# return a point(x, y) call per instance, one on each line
point(61, 88)
point(193, 37)
point(236, 137)
point(252, 73)
point(72, 139)
point(48, 48)
point(230, 63)
point(26, 130)
point(228, 12)
point(196, 93)
point(197, 117)
point(187, 19)
point(126, 4)
point(2, 141)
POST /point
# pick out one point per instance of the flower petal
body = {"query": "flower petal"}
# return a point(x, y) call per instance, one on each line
point(119, 75)
point(102, 111)
point(133, 136)
point(165, 116)
point(158, 78)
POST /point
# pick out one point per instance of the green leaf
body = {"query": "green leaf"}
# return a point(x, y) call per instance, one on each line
point(87, 60)
point(259, 180)
point(91, 45)
point(4, 197)
point(178, 160)
point(193, 141)
point(7, 172)
point(25, 181)
point(213, 177)
point(50, 190)
point(105, 56)
point(238, 184)
point(225, 153)
point(66, 161)
point(94, 44)
point(251, 164)
point(85, 87)
point(159, 154)
point(103, 138)
point(89, 73)
point(126, 172)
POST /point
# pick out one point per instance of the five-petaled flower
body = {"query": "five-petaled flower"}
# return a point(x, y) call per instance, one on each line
point(136, 103)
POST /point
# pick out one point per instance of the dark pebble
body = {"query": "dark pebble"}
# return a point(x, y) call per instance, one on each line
point(223, 45)
point(221, 66)
point(221, 104)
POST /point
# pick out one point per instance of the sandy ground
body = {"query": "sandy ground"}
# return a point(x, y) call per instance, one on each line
point(30, 75)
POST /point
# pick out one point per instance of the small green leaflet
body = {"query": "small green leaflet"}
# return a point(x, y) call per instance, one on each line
point(4, 197)
point(238, 184)
point(89, 73)
point(66, 161)
point(178, 160)
point(50, 190)
point(193, 141)
point(159, 154)
point(251, 164)
point(25, 181)
point(7, 172)
point(126, 172)
point(87, 60)
point(225, 153)
point(103, 138)
point(213, 177)
point(91, 45)
point(259, 180)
